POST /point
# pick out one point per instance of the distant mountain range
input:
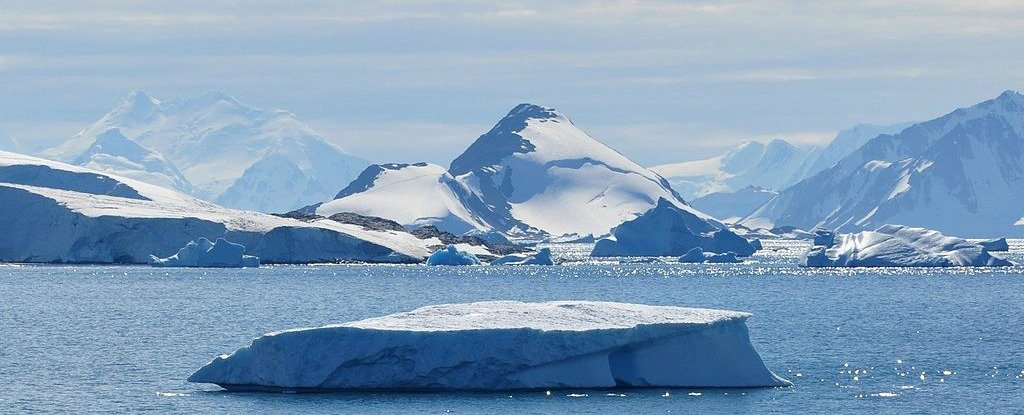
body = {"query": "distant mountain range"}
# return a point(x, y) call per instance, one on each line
point(535, 172)
point(215, 148)
point(961, 173)
point(9, 143)
point(774, 166)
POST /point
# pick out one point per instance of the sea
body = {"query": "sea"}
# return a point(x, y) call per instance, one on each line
point(123, 339)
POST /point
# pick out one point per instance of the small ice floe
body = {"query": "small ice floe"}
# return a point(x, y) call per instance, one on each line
point(173, 394)
point(541, 257)
point(697, 255)
point(451, 255)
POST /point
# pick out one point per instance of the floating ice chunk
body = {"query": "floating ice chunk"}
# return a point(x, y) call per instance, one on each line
point(203, 253)
point(995, 245)
point(667, 230)
point(899, 246)
point(697, 255)
point(450, 255)
point(497, 345)
point(541, 257)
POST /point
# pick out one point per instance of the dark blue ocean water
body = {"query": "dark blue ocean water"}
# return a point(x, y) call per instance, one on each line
point(123, 339)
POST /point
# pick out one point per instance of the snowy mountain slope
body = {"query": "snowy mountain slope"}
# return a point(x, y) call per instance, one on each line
point(112, 152)
point(848, 141)
point(733, 206)
point(413, 195)
point(961, 174)
point(774, 165)
point(9, 143)
point(535, 170)
point(55, 212)
point(219, 143)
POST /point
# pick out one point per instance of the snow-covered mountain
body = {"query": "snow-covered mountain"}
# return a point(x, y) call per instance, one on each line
point(961, 174)
point(848, 141)
point(55, 212)
point(413, 195)
point(533, 173)
point(733, 206)
point(112, 152)
point(231, 153)
point(9, 143)
point(536, 170)
point(774, 165)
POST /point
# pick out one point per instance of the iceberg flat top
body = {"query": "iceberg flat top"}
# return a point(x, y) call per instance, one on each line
point(549, 316)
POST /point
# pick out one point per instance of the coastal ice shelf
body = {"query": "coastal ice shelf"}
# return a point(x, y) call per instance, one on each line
point(501, 345)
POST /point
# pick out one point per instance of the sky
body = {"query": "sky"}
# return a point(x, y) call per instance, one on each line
point(407, 81)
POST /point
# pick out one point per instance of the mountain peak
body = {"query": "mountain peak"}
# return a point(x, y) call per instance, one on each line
point(211, 97)
point(1010, 94)
point(527, 110)
point(137, 105)
point(113, 134)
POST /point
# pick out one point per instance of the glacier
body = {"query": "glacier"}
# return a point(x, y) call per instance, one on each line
point(59, 213)
point(504, 345)
point(898, 246)
point(203, 253)
point(667, 230)
point(452, 255)
point(541, 257)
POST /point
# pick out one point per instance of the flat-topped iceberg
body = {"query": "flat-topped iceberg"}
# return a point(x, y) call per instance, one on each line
point(452, 255)
point(667, 230)
point(541, 257)
point(203, 253)
point(898, 246)
point(498, 345)
point(698, 256)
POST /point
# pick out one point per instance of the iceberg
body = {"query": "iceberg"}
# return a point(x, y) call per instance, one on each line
point(667, 230)
point(898, 246)
point(996, 245)
point(697, 256)
point(503, 345)
point(451, 255)
point(541, 257)
point(203, 253)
